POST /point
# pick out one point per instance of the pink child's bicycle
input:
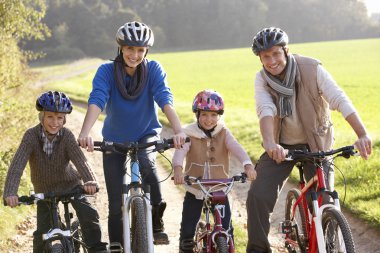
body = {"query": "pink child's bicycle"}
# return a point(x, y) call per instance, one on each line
point(212, 237)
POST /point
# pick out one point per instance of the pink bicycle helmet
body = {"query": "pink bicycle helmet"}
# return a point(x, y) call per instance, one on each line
point(208, 100)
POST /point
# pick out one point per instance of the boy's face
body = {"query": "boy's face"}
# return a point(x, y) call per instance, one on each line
point(53, 121)
point(208, 120)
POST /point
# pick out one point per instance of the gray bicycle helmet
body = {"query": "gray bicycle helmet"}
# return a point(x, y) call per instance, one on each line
point(135, 34)
point(54, 101)
point(267, 38)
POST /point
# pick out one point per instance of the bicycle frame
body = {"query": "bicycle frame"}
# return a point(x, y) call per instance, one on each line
point(316, 187)
point(214, 203)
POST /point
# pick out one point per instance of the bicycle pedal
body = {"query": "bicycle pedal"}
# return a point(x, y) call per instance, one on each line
point(286, 227)
point(115, 247)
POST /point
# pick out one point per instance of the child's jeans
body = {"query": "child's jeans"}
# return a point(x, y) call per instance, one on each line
point(88, 219)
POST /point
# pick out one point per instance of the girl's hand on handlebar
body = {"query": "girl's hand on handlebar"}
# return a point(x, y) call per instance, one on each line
point(178, 176)
point(12, 201)
point(250, 171)
point(86, 142)
point(179, 139)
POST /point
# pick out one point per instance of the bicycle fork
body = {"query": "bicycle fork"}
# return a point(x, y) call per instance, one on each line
point(135, 192)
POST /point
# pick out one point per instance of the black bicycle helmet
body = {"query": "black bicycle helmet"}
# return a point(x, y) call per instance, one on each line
point(54, 101)
point(135, 34)
point(267, 38)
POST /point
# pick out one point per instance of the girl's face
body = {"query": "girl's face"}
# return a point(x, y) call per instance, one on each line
point(53, 121)
point(208, 120)
point(133, 56)
point(274, 60)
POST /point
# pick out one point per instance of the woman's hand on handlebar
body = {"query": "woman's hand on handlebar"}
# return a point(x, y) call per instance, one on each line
point(179, 139)
point(86, 142)
point(12, 201)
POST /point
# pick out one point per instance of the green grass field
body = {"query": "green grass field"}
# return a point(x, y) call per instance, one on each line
point(353, 64)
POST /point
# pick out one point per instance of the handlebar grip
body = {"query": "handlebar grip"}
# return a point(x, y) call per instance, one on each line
point(98, 143)
point(170, 141)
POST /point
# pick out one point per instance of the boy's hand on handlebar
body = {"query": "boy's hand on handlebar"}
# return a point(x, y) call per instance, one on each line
point(364, 145)
point(179, 139)
point(12, 201)
point(86, 142)
point(250, 171)
point(90, 187)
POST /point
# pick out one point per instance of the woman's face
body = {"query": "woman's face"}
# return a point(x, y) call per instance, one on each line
point(133, 56)
point(53, 121)
point(274, 60)
point(208, 120)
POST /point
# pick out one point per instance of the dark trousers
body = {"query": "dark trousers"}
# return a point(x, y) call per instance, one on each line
point(87, 215)
point(114, 169)
point(263, 195)
point(191, 213)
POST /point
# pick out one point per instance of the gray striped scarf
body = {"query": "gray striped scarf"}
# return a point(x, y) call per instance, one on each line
point(285, 88)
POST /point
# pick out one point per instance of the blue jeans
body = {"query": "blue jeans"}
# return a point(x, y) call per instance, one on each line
point(114, 165)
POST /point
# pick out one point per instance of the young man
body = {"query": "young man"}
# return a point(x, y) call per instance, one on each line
point(294, 95)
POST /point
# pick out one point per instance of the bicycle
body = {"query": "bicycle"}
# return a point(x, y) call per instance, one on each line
point(320, 227)
point(136, 207)
point(63, 237)
point(213, 238)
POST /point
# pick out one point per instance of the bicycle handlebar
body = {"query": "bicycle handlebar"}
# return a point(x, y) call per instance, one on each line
point(160, 145)
point(29, 200)
point(227, 182)
point(346, 152)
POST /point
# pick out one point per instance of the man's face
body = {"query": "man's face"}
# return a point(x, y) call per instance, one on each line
point(273, 60)
point(53, 121)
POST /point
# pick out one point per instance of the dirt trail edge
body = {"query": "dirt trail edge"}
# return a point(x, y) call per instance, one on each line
point(366, 239)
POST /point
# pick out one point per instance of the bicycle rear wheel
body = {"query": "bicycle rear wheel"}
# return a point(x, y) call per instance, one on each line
point(139, 234)
point(298, 225)
point(221, 244)
point(336, 232)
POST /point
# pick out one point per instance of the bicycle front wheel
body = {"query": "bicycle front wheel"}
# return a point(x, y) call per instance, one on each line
point(298, 230)
point(78, 237)
point(336, 232)
point(139, 235)
point(221, 244)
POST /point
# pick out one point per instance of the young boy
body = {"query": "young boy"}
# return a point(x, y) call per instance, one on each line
point(49, 148)
point(207, 155)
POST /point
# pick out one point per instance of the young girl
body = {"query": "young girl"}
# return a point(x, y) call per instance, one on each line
point(207, 156)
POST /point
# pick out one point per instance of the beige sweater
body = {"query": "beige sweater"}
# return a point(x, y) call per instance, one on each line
point(48, 174)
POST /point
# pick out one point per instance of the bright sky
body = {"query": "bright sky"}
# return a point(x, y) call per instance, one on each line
point(373, 6)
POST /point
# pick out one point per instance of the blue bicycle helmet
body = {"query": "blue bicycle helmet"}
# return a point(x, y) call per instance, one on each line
point(267, 38)
point(135, 34)
point(54, 101)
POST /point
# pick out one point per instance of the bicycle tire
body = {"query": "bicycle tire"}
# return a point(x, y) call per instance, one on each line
point(299, 221)
point(200, 242)
point(335, 226)
point(57, 248)
point(221, 244)
point(78, 237)
point(139, 236)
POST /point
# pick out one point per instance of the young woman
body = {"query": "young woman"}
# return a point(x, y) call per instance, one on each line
point(130, 89)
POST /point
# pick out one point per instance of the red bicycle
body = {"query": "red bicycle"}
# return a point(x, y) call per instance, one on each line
point(213, 238)
point(320, 227)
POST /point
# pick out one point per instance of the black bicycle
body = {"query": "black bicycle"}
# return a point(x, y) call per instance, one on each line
point(65, 235)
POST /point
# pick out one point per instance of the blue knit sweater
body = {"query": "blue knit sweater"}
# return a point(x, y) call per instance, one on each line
point(130, 120)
